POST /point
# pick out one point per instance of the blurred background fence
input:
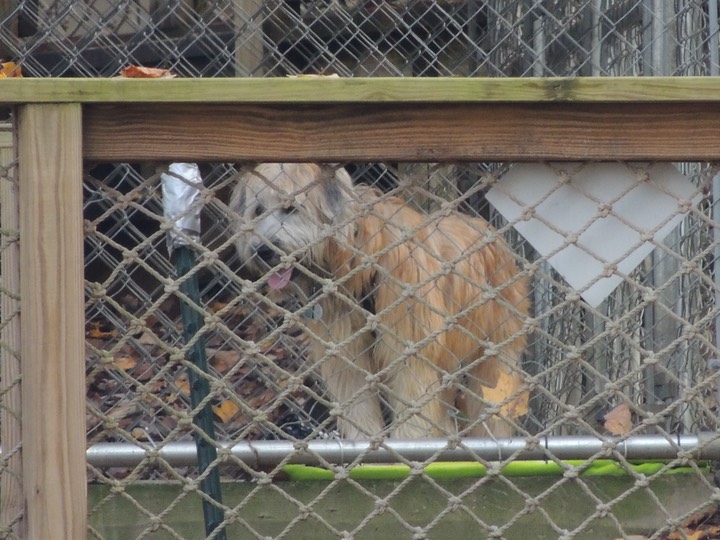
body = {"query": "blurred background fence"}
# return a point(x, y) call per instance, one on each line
point(584, 361)
point(500, 38)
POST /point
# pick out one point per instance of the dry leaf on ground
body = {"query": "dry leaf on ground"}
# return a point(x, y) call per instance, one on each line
point(619, 420)
point(141, 72)
point(223, 361)
point(125, 362)
point(226, 410)
point(507, 386)
point(699, 526)
point(10, 70)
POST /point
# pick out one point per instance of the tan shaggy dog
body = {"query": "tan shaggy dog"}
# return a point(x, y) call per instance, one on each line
point(423, 311)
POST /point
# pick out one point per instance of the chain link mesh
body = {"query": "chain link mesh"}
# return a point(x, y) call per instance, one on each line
point(650, 347)
point(405, 37)
point(11, 502)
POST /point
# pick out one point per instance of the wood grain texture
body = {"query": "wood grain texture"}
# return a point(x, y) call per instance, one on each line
point(402, 132)
point(363, 90)
point(11, 491)
point(52, 314)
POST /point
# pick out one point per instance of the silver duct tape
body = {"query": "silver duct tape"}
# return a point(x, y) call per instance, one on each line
point(181, 194)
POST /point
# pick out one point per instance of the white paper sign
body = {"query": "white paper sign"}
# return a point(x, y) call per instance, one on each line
point(595, 222)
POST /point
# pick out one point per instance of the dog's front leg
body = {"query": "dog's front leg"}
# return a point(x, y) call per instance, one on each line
point(420, 406)
point(357, 406)
point(343, 359)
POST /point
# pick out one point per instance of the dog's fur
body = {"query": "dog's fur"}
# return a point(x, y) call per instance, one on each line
point(412, 307)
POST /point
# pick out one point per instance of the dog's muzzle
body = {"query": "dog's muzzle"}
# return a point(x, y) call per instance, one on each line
point(266, 254)
point(277, 278)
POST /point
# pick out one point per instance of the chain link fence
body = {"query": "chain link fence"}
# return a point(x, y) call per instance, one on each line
point(642, 361)
point(581, 357)
point(11, 507)
point(362, 38)
point(638, 363)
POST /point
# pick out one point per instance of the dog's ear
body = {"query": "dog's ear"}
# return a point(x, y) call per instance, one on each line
point(236, 203)
point(337, 188)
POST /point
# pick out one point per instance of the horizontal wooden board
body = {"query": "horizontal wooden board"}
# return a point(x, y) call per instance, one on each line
point(684, 131)
point(311, 510)
point(367, 90)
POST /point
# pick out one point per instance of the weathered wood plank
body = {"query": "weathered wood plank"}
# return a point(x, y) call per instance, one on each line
point(362, 90)
point(52, 311)
point(269, 510)
point(402, 132)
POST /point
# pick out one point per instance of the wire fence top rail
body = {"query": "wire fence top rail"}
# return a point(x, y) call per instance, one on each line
point(362, 89)
point(703, 446)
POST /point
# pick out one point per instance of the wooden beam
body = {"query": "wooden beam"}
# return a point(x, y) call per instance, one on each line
point(52, 317)
point(363, 90)
point(267, 510)
point(403, 132)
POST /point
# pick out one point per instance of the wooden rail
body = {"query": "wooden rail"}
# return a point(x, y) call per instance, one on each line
point(366, 90)
point(403, 132)
point(63, 121)
point(669, 118)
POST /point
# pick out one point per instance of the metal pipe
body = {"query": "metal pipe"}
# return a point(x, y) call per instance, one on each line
point(714, 38)
point(539, 63)
point(704, 446)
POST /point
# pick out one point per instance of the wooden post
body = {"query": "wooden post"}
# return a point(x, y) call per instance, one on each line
point(11, 494)
point(51, 300)
point(249, 48)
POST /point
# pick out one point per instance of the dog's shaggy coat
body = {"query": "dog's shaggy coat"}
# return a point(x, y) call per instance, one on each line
point(423, 311)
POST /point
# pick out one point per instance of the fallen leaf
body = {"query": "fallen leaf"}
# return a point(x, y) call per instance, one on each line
point(158, 386)
point(260, 401)
point(182, 383)
point(699, 526)
point(139, 434)
point(141, 72)
point(314, 76)
point(217, 305)
point(686, 534)
point(123, 410)
point(10, 70)
point(618, 421)
point(125, 362)
point(96, 333)
point(507, 385)
point(147, 339)
point(222, 361)
point(226, 410)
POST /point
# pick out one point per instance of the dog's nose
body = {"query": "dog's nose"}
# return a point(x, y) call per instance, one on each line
point(265, 253)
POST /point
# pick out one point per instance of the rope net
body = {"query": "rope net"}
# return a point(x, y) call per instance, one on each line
point(339, 303)
point(382, 345)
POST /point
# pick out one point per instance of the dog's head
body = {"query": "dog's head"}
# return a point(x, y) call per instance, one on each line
point(284, 214)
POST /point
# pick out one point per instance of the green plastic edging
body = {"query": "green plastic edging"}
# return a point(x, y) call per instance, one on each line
point(470, 469)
